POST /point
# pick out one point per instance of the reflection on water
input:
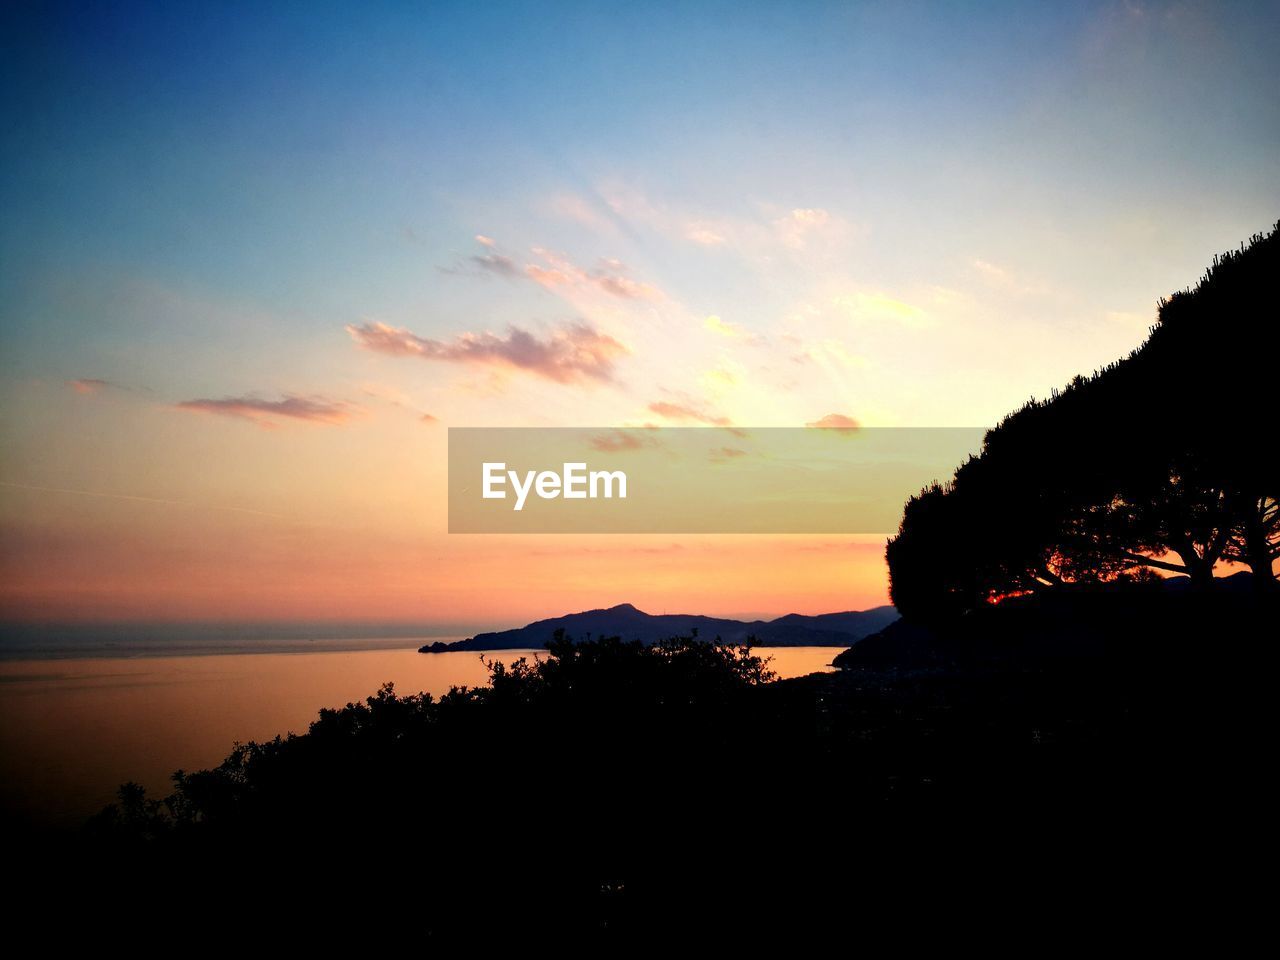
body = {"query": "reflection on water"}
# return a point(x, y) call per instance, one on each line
point(72, 730)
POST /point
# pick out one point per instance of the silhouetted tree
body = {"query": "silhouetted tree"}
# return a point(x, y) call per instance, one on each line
point(1156, 461)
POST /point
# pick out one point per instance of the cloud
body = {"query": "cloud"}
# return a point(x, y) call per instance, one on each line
point(633, 208)
point(795, 229)
point(721, 454)
point(574, 352)
point(826, 353)
point(687, 412)
point(809, 218)
point(727, 374)
point(136, 498)
point(882, 308)
point(704, 234)
point(89, 386)
point(496, 263)
point(616, 441)
point(399, 399)
point(836, 421)
point(489, 260)
point(265, 413)
point(732, 331)
point(558, 273)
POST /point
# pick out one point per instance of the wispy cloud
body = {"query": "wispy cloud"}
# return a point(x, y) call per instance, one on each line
point(726, 374)
point(89, 386)
point(574, 352)
point(267, 413)
point(617, 441)
point(558, 273)
point(704, 234)
point(730, 330)
point(881, 309)
point(397, 398)
point(497, 263)
point(828, 353)
point(795, 229)
point(137, 498)
point(489, 260)
point(724, 454)
point(687, 412)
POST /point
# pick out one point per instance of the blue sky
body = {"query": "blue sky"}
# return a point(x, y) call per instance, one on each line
point(904, 214)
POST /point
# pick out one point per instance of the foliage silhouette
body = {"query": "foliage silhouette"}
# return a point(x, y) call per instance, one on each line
point(1098, 482)
point(613, 790)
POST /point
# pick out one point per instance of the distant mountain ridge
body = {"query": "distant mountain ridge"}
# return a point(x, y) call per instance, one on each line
point(629, 623)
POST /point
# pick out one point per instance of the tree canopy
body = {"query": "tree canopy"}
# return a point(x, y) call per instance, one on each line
point(1162, 460)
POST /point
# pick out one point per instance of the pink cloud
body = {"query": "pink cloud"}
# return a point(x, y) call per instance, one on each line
point(266, 412)
point(704, 234)
point(617, 441)
point(87, 387)
point(558, 273)
point(835, 421)
point(721, 454)
point(610, 276)
point(686, 412)
point(574, 352)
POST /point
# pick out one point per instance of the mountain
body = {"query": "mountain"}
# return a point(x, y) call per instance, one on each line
point(625, 621)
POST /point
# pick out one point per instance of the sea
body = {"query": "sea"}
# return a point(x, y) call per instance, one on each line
point(77, 720)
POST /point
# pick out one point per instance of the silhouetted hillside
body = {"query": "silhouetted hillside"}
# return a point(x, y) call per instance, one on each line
point(616, 789)
point(628, 623)
point(1075, 620)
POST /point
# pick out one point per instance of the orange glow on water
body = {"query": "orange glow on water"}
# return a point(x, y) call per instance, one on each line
point(71, 731)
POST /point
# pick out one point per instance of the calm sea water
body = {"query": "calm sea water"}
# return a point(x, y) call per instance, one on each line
point(73, 729)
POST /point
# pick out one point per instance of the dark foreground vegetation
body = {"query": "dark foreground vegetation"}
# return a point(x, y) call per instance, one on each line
point(1050, 754)
point(1050, 737)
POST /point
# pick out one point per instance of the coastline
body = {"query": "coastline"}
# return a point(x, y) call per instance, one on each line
point(73, 728)
point(22, 651)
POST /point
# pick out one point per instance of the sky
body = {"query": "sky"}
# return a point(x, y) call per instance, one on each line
point(256, 259)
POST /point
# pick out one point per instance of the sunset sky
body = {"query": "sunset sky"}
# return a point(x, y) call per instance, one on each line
point(254, 264)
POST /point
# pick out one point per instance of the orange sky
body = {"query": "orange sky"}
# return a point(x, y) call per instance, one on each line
point(252, 269)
